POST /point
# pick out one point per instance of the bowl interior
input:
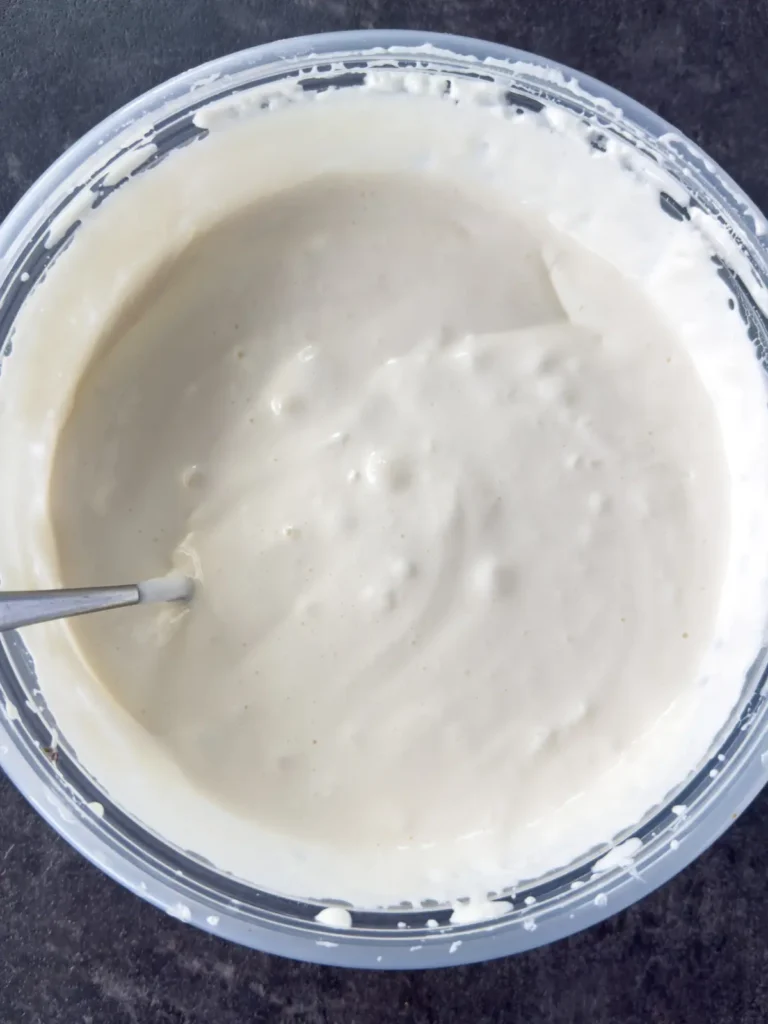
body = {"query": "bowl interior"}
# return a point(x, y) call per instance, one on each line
point(39, 759)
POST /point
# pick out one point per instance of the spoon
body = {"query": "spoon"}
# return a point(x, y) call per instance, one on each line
point(26, 607)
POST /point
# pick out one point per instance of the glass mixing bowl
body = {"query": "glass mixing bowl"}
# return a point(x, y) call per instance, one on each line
point(45, 768)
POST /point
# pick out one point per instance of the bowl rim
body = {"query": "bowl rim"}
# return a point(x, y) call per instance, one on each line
point(408, 948)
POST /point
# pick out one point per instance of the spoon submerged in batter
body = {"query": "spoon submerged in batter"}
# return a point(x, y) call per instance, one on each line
point(26, 607)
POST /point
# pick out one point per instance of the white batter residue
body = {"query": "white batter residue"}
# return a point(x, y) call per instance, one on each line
point(465, 448)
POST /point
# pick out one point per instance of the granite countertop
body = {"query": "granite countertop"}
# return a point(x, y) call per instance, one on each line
point(75, 947)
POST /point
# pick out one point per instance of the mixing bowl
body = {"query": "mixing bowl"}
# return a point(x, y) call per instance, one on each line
point(44, 767)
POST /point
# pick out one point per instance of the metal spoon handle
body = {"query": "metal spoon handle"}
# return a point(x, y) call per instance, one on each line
point(26, 607)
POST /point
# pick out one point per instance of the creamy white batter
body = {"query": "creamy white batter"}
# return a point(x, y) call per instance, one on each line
point(465, 449)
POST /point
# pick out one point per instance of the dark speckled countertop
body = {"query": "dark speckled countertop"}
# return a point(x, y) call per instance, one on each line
point(77, 949)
